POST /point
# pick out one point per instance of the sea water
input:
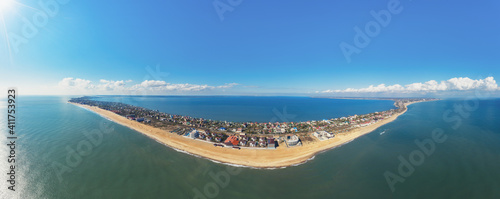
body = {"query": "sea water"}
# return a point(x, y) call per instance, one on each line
point(65, 151)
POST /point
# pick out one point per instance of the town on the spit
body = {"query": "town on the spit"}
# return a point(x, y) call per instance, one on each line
point(247, 134)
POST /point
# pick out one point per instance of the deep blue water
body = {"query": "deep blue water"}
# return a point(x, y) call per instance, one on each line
point(126, 164)
point(256, 109)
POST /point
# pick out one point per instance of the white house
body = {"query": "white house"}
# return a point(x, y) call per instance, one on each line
point(194, 134)
point(323, 135)
point(292, 140)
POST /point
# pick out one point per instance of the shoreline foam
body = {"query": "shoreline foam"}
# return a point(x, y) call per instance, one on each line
point(280, 157)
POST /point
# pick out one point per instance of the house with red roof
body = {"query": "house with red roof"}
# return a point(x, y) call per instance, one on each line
point(232, 140)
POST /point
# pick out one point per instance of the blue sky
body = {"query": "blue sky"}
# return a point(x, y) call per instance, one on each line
point(258, 48)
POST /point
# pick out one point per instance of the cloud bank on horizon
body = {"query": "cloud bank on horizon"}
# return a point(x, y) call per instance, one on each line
point(432, 86)
point(83, 86)
point(71, 85)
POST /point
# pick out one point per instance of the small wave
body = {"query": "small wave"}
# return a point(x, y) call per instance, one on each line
point(260, 168)
point(229, 164)
point(97, 113)
point(298, 164)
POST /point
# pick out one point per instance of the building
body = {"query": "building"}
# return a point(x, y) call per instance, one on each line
point(232, 141)
point(367, 123)
point(323, 135)
point(193, 134)
point(292, 140)
point(251, 143)
point(271, 143)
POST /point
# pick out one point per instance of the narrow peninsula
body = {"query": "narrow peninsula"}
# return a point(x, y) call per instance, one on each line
point(260, 145)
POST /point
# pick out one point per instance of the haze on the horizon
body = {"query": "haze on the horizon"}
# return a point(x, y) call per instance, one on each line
point(422, 48)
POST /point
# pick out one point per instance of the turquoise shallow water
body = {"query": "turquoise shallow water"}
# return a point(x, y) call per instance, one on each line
point(126, 164)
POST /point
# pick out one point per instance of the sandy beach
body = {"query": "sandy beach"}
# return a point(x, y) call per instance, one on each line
point(279, 157)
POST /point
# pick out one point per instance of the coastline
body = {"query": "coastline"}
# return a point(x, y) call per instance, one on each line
point(275, 158)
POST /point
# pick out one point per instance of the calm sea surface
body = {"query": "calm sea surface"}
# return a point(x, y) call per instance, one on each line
point(256, 109)
point(64, 151)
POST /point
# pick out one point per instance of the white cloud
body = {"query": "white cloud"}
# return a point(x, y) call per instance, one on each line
point(228, 85)
point(155, 85)
point(110, 85)
point(453, 84)
point(77, 83)
point(152, 83)
point(82, 86)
